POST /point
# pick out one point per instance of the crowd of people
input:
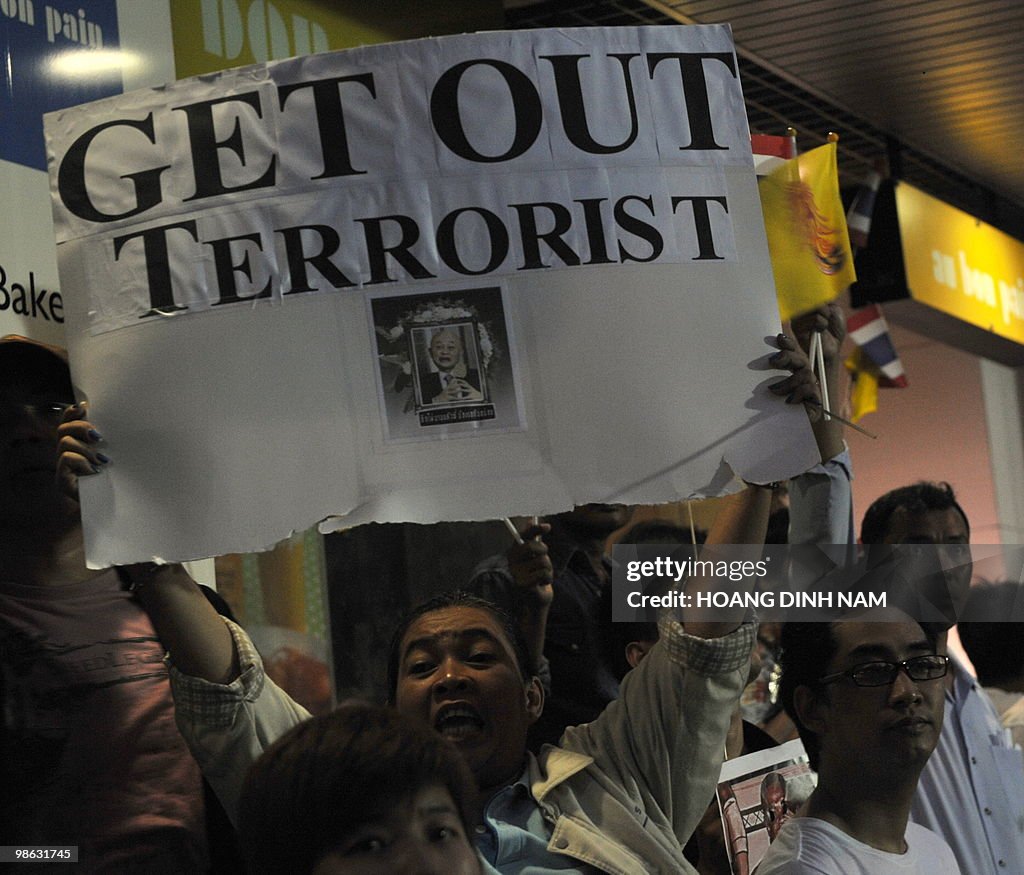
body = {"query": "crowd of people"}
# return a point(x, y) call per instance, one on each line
point(525, 732)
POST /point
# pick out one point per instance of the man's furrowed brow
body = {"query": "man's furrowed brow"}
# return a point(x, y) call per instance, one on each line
point(471, 634)
point(885, 652)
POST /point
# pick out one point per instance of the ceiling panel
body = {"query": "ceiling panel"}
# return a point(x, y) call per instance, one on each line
point(936, 86)
point(942, 76)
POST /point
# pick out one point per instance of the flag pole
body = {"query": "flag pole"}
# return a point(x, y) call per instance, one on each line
point(817, 353)
point(791, 133)
point(512, 530)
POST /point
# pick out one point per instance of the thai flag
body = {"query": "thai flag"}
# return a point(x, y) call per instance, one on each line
point(858, 218)
point(868, 329)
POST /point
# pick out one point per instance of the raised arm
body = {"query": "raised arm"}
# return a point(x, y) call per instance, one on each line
point(188, 626)
point(226, 708)
point(665, 734)
point(821, 500)
point(190, 629)
point(829, 324)
point(743, 517)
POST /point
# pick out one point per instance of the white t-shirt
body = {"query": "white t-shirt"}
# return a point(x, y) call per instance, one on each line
point(808, 846)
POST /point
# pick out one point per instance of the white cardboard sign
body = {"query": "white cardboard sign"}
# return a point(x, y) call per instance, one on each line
point(454, 278)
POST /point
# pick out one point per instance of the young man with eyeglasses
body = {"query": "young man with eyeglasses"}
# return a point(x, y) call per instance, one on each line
point(972, 790)
point(866, 694)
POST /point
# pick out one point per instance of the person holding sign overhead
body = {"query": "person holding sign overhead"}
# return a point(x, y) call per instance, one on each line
point(621, 794)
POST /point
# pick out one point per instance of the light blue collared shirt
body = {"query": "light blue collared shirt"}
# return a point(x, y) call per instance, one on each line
point(513, 840)
point(971, 791)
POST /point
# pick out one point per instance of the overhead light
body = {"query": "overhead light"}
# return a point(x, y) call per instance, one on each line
point(85, 62)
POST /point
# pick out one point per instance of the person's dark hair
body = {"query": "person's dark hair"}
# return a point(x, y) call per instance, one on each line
point(806, 648)
point(21, 357)
point(331, 774)
point(992, 632)
point(918, 498)
point(458, 599)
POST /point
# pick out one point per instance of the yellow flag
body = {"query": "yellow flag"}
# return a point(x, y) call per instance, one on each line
point(864, 394)
point(806, 228)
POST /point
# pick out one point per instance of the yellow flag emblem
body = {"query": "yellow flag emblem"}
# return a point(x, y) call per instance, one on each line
point(806, 229)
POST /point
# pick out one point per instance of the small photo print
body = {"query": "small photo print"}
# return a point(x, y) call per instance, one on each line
point(757, 794)
point(446, 364)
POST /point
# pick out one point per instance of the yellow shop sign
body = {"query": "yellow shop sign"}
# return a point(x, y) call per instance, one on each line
point(211, 35)
point(960, 265)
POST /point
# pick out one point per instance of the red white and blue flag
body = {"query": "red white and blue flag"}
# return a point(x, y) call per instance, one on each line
point(868, 329)
point(771, 151)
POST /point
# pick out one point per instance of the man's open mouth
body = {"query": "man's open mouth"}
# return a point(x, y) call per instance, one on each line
point(458, 721)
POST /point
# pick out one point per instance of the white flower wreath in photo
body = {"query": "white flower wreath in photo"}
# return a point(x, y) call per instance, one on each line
point(394, 347)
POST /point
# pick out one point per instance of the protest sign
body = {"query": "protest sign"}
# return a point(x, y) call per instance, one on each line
point(454, 278)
